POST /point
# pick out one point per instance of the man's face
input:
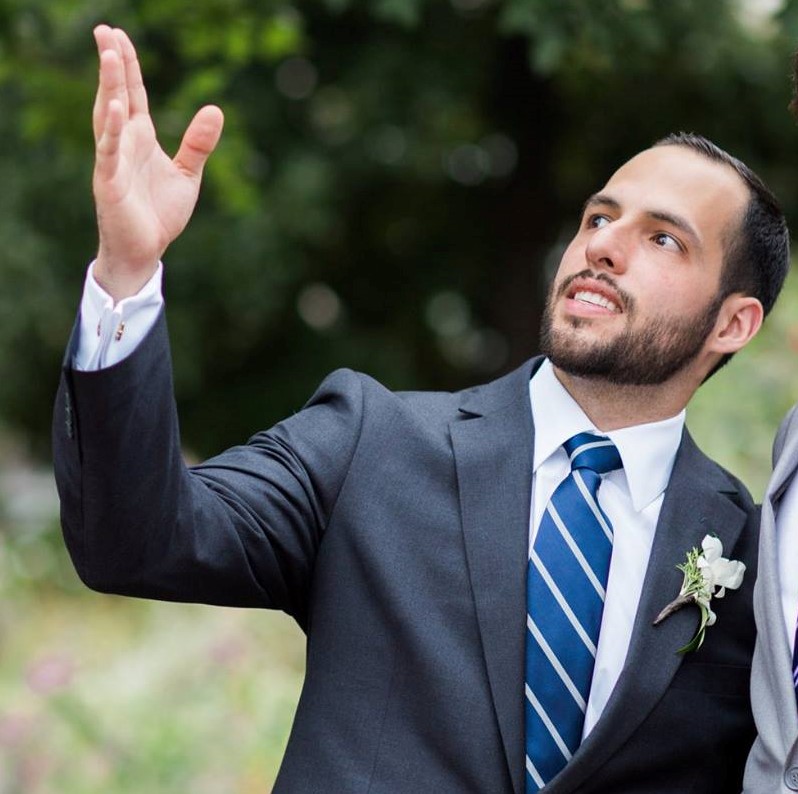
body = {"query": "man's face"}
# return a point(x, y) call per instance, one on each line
point(637, 291)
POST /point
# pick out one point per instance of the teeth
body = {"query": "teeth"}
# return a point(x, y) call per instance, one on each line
point(595, 299)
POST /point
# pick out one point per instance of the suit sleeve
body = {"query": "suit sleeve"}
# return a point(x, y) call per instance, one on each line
point(241, 529)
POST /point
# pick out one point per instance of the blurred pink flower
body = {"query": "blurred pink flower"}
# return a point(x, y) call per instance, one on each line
point(229, 651)
point(32, 771)
point(15, 729)
point(50, 673)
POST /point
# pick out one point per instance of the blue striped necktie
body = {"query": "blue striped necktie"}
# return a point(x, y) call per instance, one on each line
point(566, 580)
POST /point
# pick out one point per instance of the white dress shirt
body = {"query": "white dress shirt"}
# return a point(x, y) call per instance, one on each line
point(108, 332)
point(631, 497)
point(787, 548)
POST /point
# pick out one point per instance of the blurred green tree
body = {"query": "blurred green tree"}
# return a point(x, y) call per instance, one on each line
point(393, 187)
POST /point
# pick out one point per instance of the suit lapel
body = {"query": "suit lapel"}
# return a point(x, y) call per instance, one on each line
point(493, 448)
point(696, 504)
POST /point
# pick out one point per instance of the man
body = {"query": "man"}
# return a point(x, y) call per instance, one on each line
point(773, 762)
point(477, 573)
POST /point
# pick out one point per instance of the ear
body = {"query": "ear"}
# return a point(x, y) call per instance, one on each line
point(739, 319)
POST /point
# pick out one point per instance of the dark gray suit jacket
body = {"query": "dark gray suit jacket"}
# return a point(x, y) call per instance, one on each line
point(394, 528)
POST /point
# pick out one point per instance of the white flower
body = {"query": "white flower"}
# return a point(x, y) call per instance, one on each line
point(707, 574)
point(703, 603)
point(719, 572)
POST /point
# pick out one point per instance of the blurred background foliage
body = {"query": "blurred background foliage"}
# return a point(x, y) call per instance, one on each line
point(394, 183)
point(394, 186)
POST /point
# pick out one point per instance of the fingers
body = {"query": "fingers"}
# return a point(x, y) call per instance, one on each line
point(112, 84)
point(121, 95)
point(120, 76)
point(137, 94)
point(199, 140)
point(108, 142)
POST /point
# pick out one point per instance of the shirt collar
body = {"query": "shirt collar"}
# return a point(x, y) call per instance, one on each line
point(647, 451)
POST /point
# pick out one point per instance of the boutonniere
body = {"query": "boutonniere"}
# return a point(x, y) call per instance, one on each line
point(707, 575)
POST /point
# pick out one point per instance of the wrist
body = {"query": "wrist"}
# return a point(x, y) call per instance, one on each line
point(122, 279)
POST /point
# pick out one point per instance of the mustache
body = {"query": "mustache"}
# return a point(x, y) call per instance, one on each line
point(626, 299)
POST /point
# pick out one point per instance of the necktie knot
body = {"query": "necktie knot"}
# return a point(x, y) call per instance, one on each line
point(588, 451)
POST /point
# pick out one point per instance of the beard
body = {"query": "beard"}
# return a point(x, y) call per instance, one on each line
point(645, 356)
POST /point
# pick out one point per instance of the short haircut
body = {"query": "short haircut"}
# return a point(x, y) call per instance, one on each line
point(757, 256)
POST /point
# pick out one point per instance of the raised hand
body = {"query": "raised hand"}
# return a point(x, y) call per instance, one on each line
point(144, 198)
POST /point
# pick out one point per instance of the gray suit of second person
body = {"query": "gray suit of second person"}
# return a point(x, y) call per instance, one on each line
point(773, 763)
point(394, 528)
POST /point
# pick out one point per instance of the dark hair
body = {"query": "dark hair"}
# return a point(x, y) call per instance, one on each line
point(757, 256)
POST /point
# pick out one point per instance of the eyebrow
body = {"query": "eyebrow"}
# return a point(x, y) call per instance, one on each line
point(677, 221)
point(603, 199)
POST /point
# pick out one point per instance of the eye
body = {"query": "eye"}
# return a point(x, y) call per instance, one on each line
point(667, 241)
point(596, 221)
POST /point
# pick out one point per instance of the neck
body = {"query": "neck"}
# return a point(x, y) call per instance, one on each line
point(612, 406)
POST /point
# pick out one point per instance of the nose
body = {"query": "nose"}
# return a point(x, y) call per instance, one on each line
point(607, 248)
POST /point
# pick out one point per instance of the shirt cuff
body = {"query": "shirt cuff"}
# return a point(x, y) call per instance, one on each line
point(108, 333)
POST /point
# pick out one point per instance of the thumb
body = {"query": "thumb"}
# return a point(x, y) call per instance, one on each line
point(199, 140)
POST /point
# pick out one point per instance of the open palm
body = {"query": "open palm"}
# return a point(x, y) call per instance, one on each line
point(144, 198)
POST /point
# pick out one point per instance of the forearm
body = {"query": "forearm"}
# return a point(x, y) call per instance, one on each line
point(241, 529)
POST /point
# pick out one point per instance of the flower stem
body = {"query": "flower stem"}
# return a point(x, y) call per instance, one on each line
point(675, 606)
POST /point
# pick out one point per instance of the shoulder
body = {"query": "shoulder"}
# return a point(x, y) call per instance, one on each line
point(786, 428)
point(427, 407)
point(374, 397)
